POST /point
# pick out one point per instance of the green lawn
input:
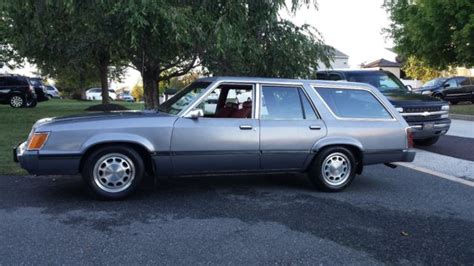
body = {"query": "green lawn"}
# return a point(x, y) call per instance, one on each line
point(15, 124)
point(463, 109)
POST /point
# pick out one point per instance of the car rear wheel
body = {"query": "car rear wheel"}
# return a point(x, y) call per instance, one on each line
point(426, 142)
point(113, 172)
point(333, 169)
point(17, 101)
point(32, 103)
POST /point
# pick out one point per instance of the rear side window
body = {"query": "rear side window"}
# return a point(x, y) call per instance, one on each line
point(464, 81)
point(348, 103)
point(285, 103)
point(13, 81)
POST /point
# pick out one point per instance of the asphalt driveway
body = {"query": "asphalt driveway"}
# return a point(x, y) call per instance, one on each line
point(386, 216)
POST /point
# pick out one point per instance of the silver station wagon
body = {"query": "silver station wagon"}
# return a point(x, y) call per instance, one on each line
point(226, 125)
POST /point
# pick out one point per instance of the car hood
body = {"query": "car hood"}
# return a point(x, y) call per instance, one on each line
point(426, 88)
point(409, 98)
point(99, 116)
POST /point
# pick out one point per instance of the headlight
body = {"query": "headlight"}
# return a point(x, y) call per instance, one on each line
point(445, 108)
point(399, 109)
point(37, 141)
point(426, 92)
point(445, 116)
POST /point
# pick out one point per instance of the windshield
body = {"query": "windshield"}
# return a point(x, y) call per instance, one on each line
point(383, 81)
point(433, 82)
point(183, 98)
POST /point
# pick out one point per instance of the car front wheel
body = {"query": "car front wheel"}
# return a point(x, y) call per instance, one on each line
point(333, 169)
point(113, 172)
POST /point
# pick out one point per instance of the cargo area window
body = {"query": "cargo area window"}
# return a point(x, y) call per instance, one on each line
point(348, 103)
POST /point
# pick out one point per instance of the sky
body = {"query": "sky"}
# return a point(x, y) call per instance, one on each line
point(352, 26)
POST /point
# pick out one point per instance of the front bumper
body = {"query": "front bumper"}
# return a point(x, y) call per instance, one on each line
point(44, 164)
point(423, 130)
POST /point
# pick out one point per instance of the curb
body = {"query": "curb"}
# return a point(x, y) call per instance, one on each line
point(462, 117)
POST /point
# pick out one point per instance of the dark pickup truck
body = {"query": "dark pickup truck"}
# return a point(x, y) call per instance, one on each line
point(426, 115)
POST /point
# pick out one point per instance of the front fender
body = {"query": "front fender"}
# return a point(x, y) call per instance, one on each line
point(117, 137)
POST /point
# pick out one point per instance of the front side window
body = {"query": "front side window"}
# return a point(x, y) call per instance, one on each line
point(285, 103)
point(183, 98)
point(228, 101)
point(349, 103)
point(451, 83)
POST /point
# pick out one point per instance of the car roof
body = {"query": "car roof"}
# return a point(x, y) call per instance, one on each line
point(319, 83)
point(356, 71)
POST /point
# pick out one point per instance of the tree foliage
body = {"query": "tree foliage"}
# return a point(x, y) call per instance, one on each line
point(163, 39)
point(249, 38)
point(417, 69)
point(438, 32)
point(62, 37)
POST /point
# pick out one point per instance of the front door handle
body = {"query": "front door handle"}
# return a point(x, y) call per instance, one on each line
point(245, 127)
point(314, 127)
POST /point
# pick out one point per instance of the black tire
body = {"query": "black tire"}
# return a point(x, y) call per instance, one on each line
point(453, 102)
point(32, 103)
point(103, 187)
point(426, 142)
point(321, 180)
point(17, 101)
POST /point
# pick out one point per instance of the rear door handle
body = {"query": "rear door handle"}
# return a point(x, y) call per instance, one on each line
point(245, 127)
point(314, 127)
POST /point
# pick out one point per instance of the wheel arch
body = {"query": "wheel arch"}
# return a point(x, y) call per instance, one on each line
point(353, 145)
point(141, 149)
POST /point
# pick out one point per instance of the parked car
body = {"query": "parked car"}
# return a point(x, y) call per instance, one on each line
point(53, 92)
point(328, 129)
point(427, 116)
point(96, 94)
point(126, 97)
point(454, 89)
point(17, 91)
point(40, 89)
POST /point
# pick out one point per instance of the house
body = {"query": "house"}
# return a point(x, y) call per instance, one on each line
point(384, 64)
point(340, 61)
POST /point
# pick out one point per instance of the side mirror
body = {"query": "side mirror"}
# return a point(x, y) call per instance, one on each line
point(446, 85)
point(195, 114)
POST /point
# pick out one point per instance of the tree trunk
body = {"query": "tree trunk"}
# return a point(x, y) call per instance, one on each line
point(150, 89)
point(104, 83)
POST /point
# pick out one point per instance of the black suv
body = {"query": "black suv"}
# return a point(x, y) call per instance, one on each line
point(17, 91)
point(454, 89)
point(426, 115)
point(40, 89)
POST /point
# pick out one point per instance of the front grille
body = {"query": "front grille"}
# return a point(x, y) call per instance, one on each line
point(421, 109)
point(420, 118)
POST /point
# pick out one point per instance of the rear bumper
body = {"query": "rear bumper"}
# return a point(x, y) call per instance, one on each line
point(39, 164)
point(388, 156)
point(423, 130)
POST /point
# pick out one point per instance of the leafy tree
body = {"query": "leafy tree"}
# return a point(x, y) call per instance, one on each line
point(417, 69)
point(438, 32)
point(62, 36)
point(137, 92)
point(250, 39)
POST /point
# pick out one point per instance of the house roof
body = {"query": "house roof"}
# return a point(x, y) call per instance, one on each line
point(338, 53)
point(381, 63)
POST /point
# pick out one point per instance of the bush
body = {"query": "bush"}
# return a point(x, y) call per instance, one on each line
point(137, 92)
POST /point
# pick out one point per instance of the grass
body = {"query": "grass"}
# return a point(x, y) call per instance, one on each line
point(462, 109)
point(15, 125)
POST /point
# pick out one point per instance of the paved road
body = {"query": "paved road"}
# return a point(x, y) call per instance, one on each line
point(453, 146)
point(386, 216)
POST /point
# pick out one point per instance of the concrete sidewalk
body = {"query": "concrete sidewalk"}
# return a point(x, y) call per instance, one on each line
point(461, 128)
